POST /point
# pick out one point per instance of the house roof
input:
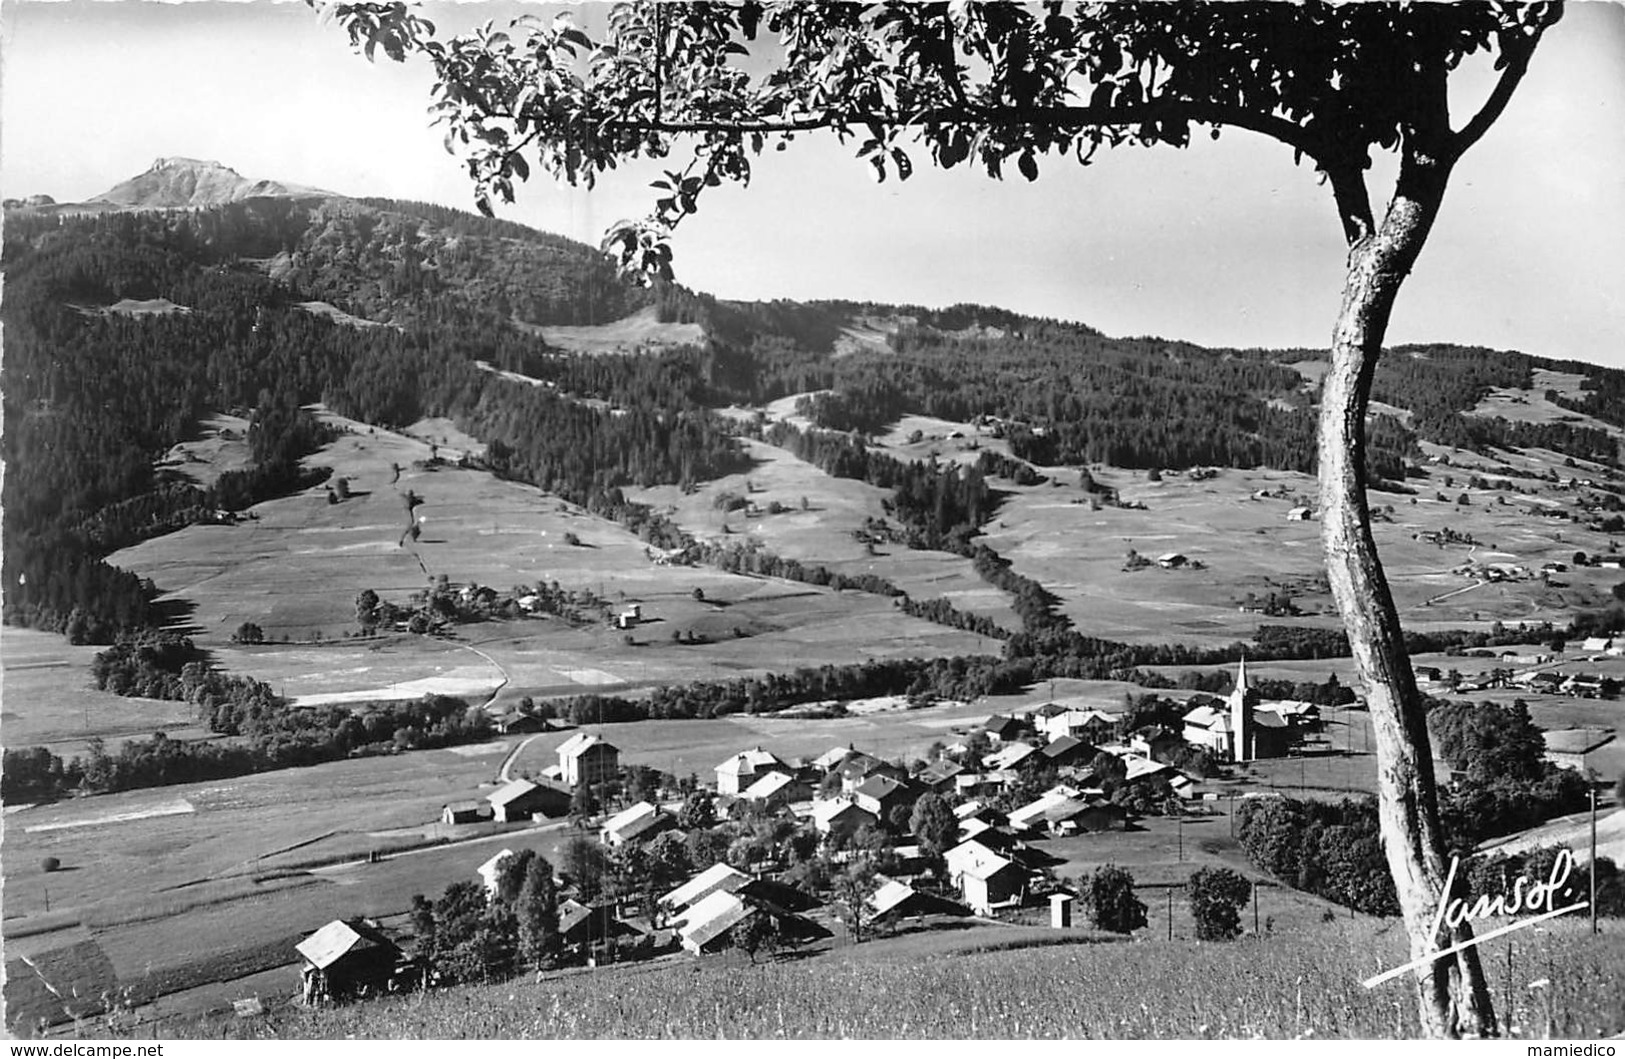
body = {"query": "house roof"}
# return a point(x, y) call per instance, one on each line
point(511, 791)
point(833, 757)
point(748, 763)
point(716, 877)
point(940, 770)
point(1000, 724)
point(976, 860)
point(580, 743)
point(339, 938)
point(1270, 719)
point(494, 865)
point(713, 916)
point(1143, 766)
point(878, 787)
point(1061, 745)
point(1211, 717)
point(1009, 757)
point(631, 814)
point(768, 785)
point(826, 811)
point(890, 894)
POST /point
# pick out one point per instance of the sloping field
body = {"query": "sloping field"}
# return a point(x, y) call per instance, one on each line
point(1247, 545)
point(49, 699)
point(631, 334)
point(821, 531)
point(222, 446)
point(296, 567)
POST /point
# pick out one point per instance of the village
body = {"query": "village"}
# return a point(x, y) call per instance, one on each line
point(786, 852)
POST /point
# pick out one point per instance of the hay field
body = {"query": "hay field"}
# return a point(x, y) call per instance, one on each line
point(49, 700)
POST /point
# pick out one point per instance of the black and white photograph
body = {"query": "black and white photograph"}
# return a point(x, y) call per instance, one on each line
point(812, 520)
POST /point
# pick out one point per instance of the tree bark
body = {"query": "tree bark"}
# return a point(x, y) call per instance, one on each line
point(1453, 996)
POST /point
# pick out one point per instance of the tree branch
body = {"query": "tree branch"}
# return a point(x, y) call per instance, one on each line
point(1278, 128)
point(1517, 60)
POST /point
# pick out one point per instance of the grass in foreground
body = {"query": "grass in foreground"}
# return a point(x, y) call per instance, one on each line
point(1562, 982)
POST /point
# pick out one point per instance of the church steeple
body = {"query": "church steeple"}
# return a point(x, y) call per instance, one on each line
point(1242, 699)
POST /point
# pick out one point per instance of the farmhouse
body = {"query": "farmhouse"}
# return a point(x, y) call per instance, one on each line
point(1095, 726)
point(859, 767)
point(1014, 756)
point(588, 759)
point(841, 817)
point(1067, 752)
point(636, 824)
point(718, 877)
point(1172, 560)
point(589, 925)
point(987, 880)
point(1002, 729)
point(833, 758)
point(709, 921)
point(1155, 742)
point(523, 799)
point(938, 777)
point(777, 790)
point(1299, 514)
point(899, 900)
point(736, 774)
point(880, 794)
point(350, 958)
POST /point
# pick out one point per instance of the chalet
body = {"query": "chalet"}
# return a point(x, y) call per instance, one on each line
point(860, 767)
point(1075, 814)
point(718, 877)
point(1304, 716)
point(898, 900)
point(1569, 748)
point(938, 777)
point(1155, 741)
point(1002, 729)
point(1066, 752)
point(776, 790)
point(635, 825)
point(1172, 560)
point(880, 794)
point(462, 813)
point(833, 758)
point(490, 873)
point(588, 759)
point(988, 880)
point(520, 724)
point(1094, 726)
point(1583, 686)
point(841, 817)
point(524, 799)
point(706, 927)
point(591, 925)
point(1299, 514)
point(745, 768)
point(351, 958)
point(1014, 756)
point(1024, 817)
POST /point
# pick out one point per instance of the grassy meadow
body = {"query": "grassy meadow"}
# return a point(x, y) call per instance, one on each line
point(1004, 983)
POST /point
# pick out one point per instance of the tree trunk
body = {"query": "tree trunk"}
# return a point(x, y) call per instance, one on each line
point(1452, 993)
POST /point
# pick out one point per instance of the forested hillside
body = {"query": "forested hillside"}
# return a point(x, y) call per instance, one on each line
point(125, 329)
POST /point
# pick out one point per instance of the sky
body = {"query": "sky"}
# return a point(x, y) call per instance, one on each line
point(1226, 243)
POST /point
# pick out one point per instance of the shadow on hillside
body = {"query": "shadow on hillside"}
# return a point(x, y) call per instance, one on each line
point(175, 615)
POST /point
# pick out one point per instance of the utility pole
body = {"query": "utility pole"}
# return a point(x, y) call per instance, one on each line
point(1170, 913)
point(1181, 836)
point(1255, 908)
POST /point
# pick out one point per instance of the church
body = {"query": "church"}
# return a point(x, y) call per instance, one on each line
point(1240, 730)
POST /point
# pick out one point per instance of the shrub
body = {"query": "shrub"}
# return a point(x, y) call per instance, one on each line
point(50, 864)
point(1109, 897)
point(1217, 895)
